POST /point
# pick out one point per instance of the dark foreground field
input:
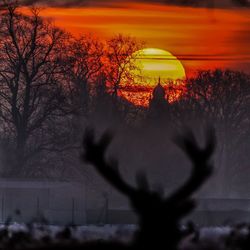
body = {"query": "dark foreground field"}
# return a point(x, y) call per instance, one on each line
point(21, 236)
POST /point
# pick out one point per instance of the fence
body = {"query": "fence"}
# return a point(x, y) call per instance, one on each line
point(54, 202)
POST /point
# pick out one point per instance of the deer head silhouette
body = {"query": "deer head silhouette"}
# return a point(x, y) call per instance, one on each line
point(159, 216)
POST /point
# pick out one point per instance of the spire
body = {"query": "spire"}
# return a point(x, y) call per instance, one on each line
point(158, 102)
point(159, 91)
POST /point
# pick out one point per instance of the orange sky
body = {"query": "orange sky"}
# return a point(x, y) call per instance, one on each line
point(199, 37)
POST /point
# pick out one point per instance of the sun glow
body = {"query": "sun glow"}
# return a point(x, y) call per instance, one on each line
point(152, 64)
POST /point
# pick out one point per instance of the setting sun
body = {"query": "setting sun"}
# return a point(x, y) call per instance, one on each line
point(153, 63)
point(151, 66)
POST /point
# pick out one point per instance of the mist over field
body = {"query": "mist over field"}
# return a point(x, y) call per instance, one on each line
point(110, 141)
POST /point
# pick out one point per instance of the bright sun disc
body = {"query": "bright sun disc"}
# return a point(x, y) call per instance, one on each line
point(153, 64)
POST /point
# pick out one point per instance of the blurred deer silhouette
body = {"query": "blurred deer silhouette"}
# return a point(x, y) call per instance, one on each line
point(159, 217)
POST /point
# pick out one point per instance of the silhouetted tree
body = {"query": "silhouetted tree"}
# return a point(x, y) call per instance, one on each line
point(221, 98)
point(30, 76)
point(102, 102)
point(83, 66)
point(120, 60)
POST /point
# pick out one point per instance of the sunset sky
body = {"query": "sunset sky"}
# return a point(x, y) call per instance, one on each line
point(200, 37)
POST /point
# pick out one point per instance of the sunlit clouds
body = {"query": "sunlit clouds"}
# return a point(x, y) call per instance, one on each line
point(200, 37)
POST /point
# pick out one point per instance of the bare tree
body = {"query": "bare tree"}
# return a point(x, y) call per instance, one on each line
point(83, 66)
point(30, 72)
point(120, 61)
point(221, 98)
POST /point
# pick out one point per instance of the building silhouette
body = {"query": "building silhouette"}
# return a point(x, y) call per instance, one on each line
point(158, 103)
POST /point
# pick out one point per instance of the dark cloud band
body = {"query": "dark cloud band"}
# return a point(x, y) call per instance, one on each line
point(113, 3)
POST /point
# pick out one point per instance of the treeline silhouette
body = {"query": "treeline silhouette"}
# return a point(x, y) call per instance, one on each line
point(53, 84)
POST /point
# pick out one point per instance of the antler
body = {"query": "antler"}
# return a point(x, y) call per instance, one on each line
point(95, 154)
point(200, 158)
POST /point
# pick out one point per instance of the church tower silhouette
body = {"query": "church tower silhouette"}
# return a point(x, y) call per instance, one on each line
point(158, 103)
point(158, 96)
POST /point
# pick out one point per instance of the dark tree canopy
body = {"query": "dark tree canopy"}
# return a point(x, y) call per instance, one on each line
point(30, 75)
